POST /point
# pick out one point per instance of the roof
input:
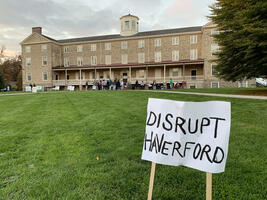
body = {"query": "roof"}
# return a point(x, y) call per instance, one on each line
point(129, 15)
point(140, 34)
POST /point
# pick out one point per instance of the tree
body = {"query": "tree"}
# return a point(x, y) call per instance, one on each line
point(11, 69)
point(2, 84)
point(242, 38)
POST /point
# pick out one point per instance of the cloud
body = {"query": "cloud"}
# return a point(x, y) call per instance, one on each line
point(65, 19)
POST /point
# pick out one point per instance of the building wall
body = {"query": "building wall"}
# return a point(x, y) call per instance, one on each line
point(132, 50)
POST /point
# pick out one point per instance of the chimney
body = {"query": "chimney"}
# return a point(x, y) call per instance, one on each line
point(37, 30)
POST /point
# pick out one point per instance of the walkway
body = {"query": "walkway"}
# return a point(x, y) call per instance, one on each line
point(212, 94)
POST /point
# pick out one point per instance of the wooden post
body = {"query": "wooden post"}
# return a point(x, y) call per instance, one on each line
point(208, 186)
point(164, 74)
point(151, 182)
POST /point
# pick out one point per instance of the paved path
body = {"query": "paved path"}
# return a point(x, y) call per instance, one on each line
point(174, 92)
point(212, 94)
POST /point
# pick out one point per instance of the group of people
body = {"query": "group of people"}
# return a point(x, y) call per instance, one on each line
point(106, 85)
point(120, 85)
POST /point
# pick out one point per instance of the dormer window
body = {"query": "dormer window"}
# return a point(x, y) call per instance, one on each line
point(127, 25)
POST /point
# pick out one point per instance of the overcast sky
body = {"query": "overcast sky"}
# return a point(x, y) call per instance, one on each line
point(80, 18)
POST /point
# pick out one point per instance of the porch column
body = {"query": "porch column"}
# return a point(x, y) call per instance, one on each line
point(164, 74)
point(95, 73)
point(184, 72)
point(66, 83)
point(130, 74)
point(81, 87)
point(110, 73)
point(146, 73)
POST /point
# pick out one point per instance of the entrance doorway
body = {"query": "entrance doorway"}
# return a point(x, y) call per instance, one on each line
point(124, 77)
point(193, 74)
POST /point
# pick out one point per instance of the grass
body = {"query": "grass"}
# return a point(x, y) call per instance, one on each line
point(238, 91)
point(88, 145)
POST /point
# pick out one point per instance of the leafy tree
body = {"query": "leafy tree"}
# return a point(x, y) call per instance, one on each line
point(11, 69)
point(2, 84)
point(19, 80)
point(242, 38)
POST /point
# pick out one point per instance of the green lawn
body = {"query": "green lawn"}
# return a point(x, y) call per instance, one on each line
point(50, 142)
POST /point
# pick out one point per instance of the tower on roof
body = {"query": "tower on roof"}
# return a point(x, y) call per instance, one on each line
point(129, 25)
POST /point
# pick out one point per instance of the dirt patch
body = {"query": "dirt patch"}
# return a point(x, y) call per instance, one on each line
point(253, 92)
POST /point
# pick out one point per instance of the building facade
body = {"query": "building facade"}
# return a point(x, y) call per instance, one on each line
point(184, 55)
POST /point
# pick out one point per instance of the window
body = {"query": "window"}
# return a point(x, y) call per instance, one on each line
point(28, 62)
point(127, 25)
point(124, 59)
point(214, 32)
point(141, 43)
point(108, 59)
point(158, 73)
point(29, 76)
point(140, 73)
point(66, 62)
point(93, 47)
point(141, 57)
point(214, 49)
point(124, 45)
point(107, 46)
point(80, 48)
point(175, 55)
point(79, 61)
point(193, 39)
point(44, 76)
point(158, 56)
point(157, 42)
point(44, 60)
point(93, 75)
point(66, 49)
point(175, 72)
point(44, 47)
point(213, 70)
point(28, 49)
point(175, 40)
point(93, 60)
point(214, 84)
point(193, 54)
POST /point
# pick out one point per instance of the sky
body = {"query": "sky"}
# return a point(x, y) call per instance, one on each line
point(62, 19)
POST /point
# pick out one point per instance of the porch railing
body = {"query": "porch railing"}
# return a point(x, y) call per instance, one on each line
point(132, 80)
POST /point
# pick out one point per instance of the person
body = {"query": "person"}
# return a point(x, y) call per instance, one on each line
point(104, 83)
point(171, 84)
point(118, 85)
point(142, 85)
point(122, 85)
point(100, 85)
point(114, 84)
point(154, 85)
point(110, 84)
point(136, 84)
point(86, 85)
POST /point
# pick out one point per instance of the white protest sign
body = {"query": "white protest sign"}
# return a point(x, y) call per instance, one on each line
point(34, 89)
point(28, 88)
point(192, 134)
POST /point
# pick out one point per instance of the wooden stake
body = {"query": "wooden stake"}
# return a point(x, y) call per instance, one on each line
point(208, 186)
point(151, 182)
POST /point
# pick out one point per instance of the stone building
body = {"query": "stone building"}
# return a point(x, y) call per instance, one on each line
point(181, 54)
